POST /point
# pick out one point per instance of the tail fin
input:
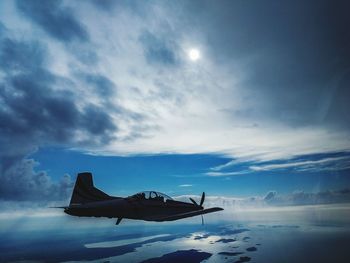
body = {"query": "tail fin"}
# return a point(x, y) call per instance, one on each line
point(85, 192)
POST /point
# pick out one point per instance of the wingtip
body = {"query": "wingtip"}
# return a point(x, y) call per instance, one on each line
point(218, 208)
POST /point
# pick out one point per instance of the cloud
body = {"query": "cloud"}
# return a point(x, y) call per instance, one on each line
point(285, 80)
point(185, 185)
point(34, 108)
point(225, 165)
point(307, 165)
point(55, 19)
point(228, 173)
point(20, 182)
point(101, 84)
point(158, 50)
point(105, 5)
point(22, 56)
point(39, 108)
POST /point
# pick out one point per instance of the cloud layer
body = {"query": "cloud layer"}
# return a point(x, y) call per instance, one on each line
point(273, 199)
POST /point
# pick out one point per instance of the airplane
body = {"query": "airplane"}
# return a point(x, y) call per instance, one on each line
point(88, 201)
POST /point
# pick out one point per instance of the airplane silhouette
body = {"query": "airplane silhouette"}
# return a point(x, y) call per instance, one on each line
point(89, 201)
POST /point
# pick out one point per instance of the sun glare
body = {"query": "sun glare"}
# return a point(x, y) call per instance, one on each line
point(194, 54)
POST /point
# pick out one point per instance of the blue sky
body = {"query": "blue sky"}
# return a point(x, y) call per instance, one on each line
point(114, 88)
point(179, 174)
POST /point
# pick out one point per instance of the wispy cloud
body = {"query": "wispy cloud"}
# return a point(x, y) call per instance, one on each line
point(185, 185)
point(304, 163)
point(228, 173)
point(308, 165)
point(225, 165)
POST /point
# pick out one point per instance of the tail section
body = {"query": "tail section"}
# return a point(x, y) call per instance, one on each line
point(85, 192)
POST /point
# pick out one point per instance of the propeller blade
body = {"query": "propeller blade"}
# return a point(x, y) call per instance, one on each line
point(202, 199)
point(194, 202)
point(202, 220)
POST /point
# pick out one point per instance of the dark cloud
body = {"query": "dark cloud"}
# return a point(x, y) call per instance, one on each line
point(139, 8)
point(101, 84)
point(290, 53)
point(61, 23)
point(33, 108)
point(15, 55)
point(2, 28)
point(158, 50)
point(84, 52)
point(105, 5)
point(39, 108)
point(337, 109)
point(22, 183)
point(55, 19)
point(97, 122)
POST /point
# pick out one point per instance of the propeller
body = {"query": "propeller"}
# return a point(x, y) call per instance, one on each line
point(194, 202)
point(202, 199)
point(201, 202)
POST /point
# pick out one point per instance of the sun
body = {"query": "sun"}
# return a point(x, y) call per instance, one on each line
point(194, 54)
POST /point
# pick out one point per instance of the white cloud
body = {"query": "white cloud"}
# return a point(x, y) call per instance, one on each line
point(305, 165)
point(225, 165)
point(227, 173)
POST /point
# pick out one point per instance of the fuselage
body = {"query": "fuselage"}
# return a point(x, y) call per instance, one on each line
point(132, 208)
point(87, 200)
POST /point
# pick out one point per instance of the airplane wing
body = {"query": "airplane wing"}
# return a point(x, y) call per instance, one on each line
point(185, 215)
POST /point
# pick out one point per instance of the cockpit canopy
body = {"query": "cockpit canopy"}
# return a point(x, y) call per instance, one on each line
point(152, 195)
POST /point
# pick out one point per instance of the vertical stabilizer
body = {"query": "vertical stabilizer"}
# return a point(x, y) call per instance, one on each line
point(85, 192)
